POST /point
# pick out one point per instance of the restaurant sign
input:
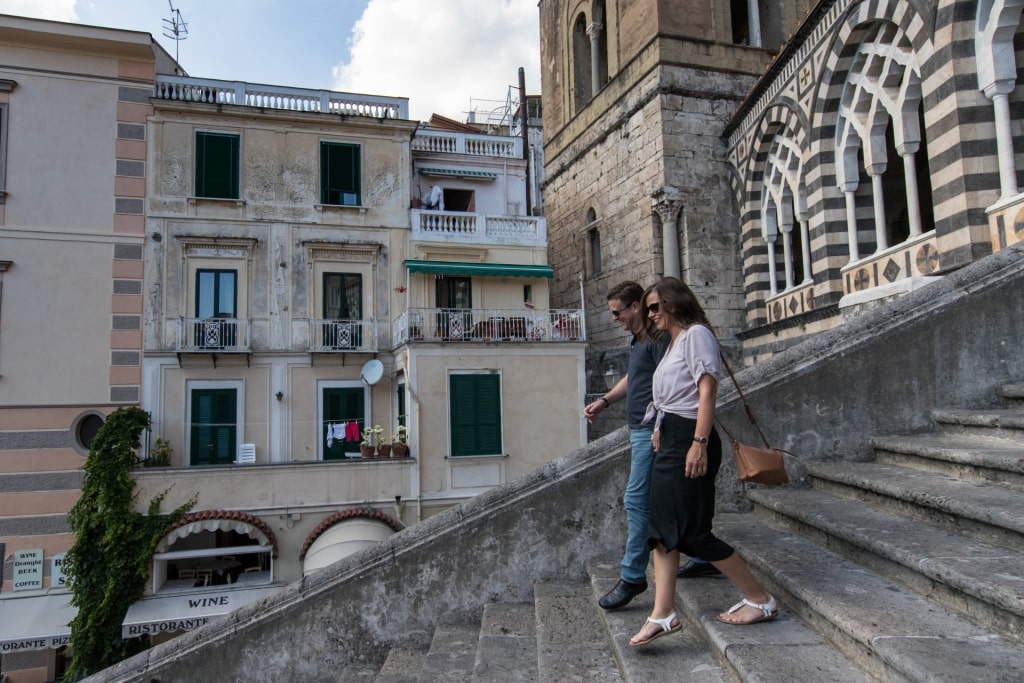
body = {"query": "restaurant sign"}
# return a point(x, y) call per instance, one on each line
point(28, 570)
point(175, 613)
point(54, 642)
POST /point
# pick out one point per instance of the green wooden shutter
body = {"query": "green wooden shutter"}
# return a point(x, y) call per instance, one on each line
point(339, 174)
point(217, 165)
point(475, 414)
point(214, 431)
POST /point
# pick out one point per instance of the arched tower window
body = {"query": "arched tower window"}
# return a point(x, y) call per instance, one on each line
point(593, 243)
point(581, 63)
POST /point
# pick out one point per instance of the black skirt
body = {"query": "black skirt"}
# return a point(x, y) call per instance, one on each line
point(682, 508)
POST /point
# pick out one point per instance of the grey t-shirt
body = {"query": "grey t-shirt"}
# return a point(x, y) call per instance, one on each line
point(643, 359)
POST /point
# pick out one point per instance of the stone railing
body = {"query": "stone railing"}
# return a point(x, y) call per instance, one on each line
point(489, 325)
point(445, 142)
point(210, 91)
point(459, 226)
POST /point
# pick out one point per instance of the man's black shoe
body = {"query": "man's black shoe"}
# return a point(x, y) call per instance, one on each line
point(623, 592)
point(691, 570)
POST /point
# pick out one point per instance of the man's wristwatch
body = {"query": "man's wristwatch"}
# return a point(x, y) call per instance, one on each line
point(702, 440)
point(606, 401)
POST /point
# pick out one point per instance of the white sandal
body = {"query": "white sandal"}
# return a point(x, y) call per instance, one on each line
point(665, 626)
point(769, 610)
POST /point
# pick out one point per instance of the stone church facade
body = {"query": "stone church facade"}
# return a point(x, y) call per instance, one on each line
point(638, 184)
point(864, 149)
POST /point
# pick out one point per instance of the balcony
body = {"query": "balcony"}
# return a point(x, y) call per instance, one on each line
point(213, 335)
point(489, 325)
point(446, 142)
point(460, 226)
point(211, 91)
point(341, 336)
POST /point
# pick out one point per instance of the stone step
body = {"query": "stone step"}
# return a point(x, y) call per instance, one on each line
point(452, 654)
point(1014, 394)
point(1005, 423)
point(890, 631)
point(686, 654)
point(572, 644)
point(403, 665)
point(988, 512)
point(507, 650)
point(959, 456)
point(982, 581)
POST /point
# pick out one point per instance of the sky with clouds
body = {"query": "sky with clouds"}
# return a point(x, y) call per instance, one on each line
point(446, 56)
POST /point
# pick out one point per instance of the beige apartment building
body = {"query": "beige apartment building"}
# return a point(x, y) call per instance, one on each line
point(269, 272)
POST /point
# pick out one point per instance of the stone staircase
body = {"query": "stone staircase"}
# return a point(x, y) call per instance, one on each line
point(907, 568)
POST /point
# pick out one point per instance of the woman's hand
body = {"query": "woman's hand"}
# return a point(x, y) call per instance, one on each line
point(655, 440)
point(697, 460)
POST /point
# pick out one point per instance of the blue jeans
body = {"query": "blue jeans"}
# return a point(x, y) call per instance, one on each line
point(637, 500)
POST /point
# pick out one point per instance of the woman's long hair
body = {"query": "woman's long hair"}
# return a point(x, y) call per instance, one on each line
point(678, 301)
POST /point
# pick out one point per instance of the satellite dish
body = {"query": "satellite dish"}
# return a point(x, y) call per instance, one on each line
point(372, 371)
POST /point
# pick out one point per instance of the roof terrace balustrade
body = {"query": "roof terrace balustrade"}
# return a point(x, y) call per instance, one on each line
point(446, 142)
point(489, 325)
point(240, 93)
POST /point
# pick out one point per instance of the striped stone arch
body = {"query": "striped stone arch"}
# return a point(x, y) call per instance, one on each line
point(852, 109)
point(853, 29)
point(783, 126)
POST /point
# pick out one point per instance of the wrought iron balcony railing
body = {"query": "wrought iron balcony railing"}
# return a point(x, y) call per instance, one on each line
point(339, 336)
point(222, 335)
point(489, 325)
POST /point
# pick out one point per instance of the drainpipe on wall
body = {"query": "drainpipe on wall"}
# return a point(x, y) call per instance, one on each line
point(523, 118)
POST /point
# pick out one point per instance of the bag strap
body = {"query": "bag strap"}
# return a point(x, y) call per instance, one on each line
point(746, 406)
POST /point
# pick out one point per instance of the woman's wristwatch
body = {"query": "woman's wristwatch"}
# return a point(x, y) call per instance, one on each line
point(606, 401)
point(702, 440)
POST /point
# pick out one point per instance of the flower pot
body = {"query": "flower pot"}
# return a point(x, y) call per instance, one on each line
point(367, 451)
point(384, 450)
point(400, 450)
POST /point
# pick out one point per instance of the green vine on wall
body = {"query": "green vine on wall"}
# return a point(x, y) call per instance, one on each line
point(109, 562)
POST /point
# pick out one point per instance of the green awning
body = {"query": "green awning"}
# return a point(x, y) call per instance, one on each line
point(486, 269)
point(459, 173)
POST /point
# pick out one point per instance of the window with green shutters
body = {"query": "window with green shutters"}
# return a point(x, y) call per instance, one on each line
point(339, 174)
point(342, 405)
point(213, 426)
point(217, 165)
point(475, 409)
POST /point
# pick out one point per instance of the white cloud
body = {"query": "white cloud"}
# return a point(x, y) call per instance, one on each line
point(442, 53)
point(56, 10)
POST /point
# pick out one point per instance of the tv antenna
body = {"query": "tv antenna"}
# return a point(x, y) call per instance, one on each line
point(175, 28)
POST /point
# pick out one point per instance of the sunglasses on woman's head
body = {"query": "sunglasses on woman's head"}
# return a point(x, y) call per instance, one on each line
point(653, 308)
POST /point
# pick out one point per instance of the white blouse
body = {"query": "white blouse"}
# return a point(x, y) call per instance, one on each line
point(693, 354)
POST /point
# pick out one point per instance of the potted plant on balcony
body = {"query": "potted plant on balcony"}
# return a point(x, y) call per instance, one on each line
point(384, 446)
point(399, 447)
point(366, 447)
point(159, 454)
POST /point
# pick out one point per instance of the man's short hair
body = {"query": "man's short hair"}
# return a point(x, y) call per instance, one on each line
point(628, 292)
